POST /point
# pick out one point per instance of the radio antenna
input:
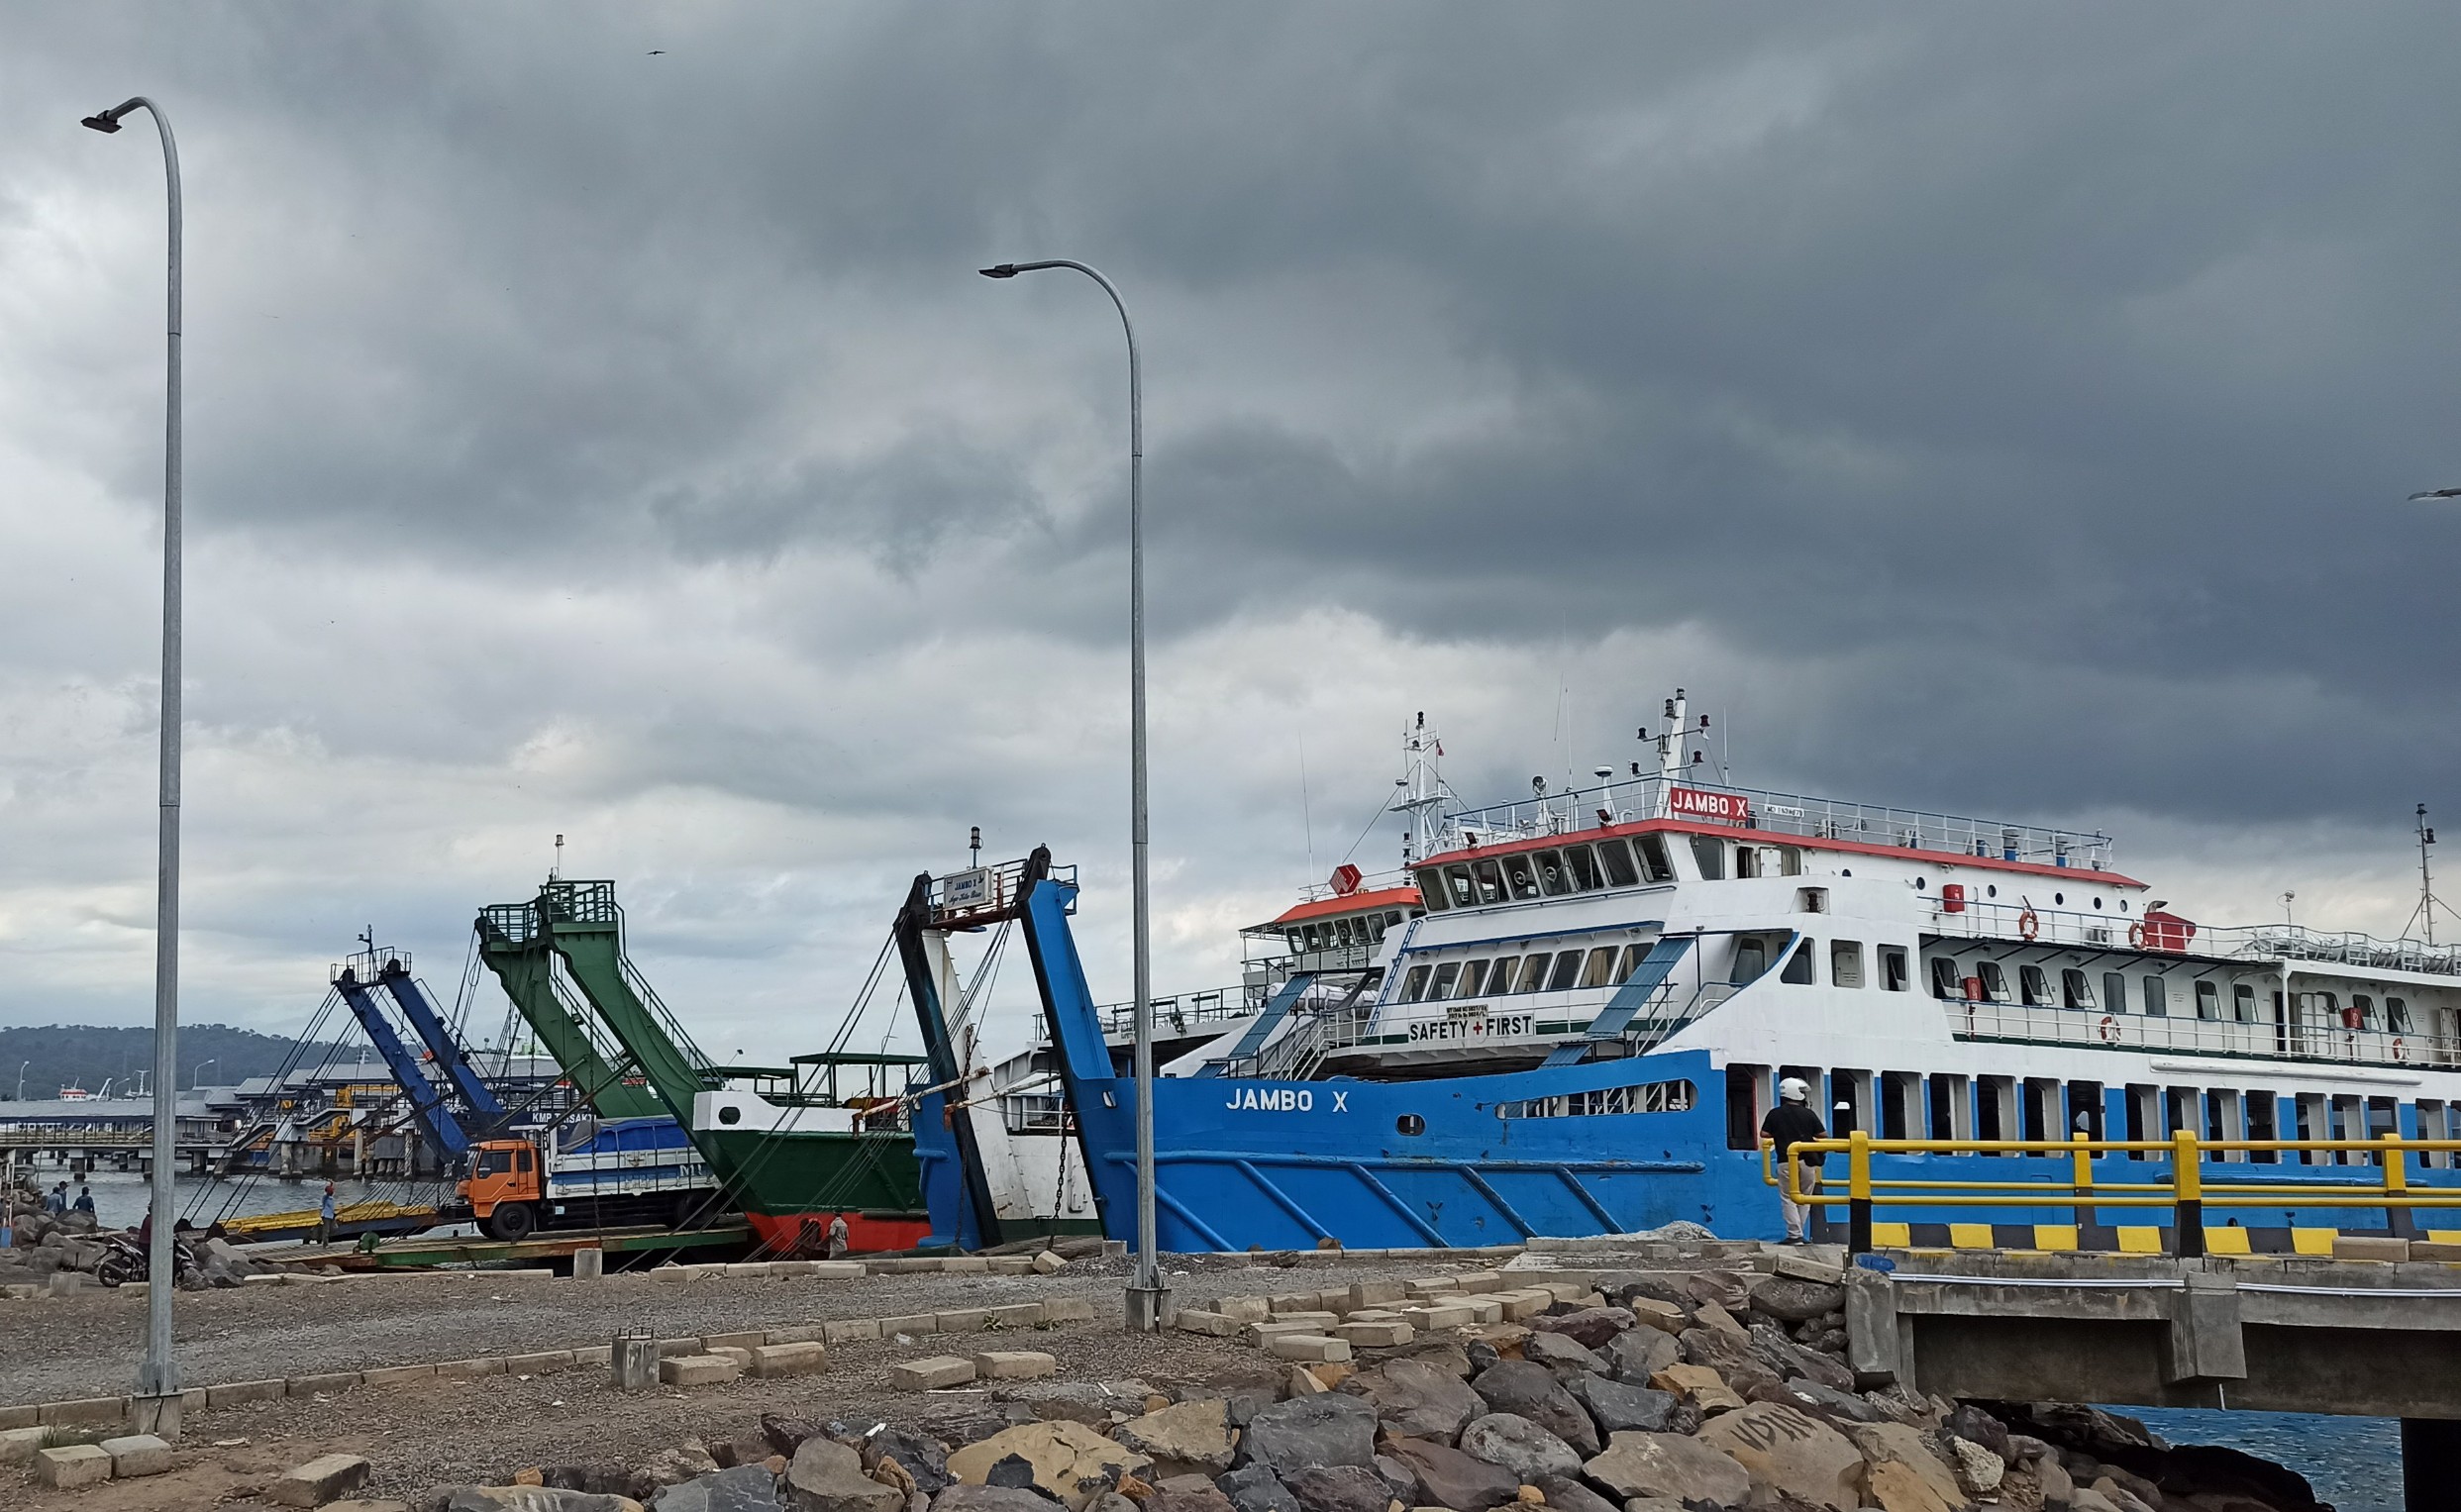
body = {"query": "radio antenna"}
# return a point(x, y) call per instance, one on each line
point(2425, 914)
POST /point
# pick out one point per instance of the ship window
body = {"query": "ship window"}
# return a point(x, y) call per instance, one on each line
point(2243, 1003)
point(1711, 854)
point(2075, 991)
point(2397, 1016)
point(1523, 878)
point(1896, 968)
point(1409, 1124)
point(1500, 975)
point(1414, 984)
point(1567, 972)
point(1472, 976)
point(1431, 890)
point(1534, 973)
point(1751, 959)
point(1491, 881)
point(1464, 893)
point(1583, 868)
point(1994, 982)
point(1646, 1097)
point(1945, 983)
point(2209, 1000)
point(1630, 963)
point(1845, 962)
point(1744, 1087)
point(2034, 985)
point(1446, 974)
point(2365, 1007)
point(1655, 866)
point(1799, 967)
point(1946, 1092)
point(1747, 862)
point(1601, 968)
point(2157, 997)
point(2114, 991)
point(1616, 856)
point(1551, 872)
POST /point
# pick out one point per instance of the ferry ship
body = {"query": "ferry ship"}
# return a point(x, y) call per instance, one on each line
point(1569, 1014)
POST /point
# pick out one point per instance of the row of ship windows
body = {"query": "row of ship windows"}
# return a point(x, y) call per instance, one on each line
point(1607, 966)
point(1559, 872)
point(1990, 984)
point(1901, 1105)
point(1349, 929)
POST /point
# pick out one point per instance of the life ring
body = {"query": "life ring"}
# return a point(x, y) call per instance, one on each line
point(2029, 924)
point(2108, 1029)
point(2401, 1052)
point(2136, 933)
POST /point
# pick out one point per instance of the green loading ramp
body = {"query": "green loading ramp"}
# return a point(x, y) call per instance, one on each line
point(527, 969)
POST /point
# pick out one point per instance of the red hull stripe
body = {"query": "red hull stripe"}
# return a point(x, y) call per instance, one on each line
point(807, 1234)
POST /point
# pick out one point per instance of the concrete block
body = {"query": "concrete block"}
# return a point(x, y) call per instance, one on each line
point(1012, 1264)
point(713, 1343)
point(1369, 1293)
point(805, 1333)
point(914, 1324)
point(1309, 1348)
point(25, 1416)
point(632, 1363)
point(770, 1360)
point(1067, 1309)
point(1014, 1364)
point(697, 1370)
point(1293, 1302)
point(931, 1373)
point(667, 1346)
point(836, 1269)
point(1481, 1281)
point(704, 1272)
point(847, 1330)
point(758, 1268)
point(2352, 1247)
point(1048, 1264)
point(396, 1376)
point(327, 1383)
point(966, 1264)
point(590, 1264)
point(241, 1391)
point(71, 1466)
point(1016, 1314)
point(1803, 1268)
point(742, 1357)
point(1374, 1334)
point(94, 1411)
point(317, 1481)
point(1317, 1320)
point(788, 1269)
point(1431, 1286)
point(66, 1283)
point(1665, 1317)
point(1485, 1310)
point(1518, 1305)
point(545, 1362)
point(965, 1320)
point(1454, 1315)
point(1260, 1333)
point(1191, 1320)
point(1245, 1309)
point(595, 1354)
point(465, 1369)
point(136, 1454)
point(2434, 1249)
point(18, 1445)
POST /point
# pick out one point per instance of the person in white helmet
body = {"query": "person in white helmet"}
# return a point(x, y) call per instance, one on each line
point(1792, 1120)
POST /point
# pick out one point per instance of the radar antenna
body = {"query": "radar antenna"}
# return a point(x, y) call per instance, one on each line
point(2424, 916)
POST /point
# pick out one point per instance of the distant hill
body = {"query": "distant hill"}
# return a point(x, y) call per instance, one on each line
point(55, 1055)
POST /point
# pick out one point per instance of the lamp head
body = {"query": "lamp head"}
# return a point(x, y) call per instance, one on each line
point(2438, 493)
point(106, 123)
point(1004, 270)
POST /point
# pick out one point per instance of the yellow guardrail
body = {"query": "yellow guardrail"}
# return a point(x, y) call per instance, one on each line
point(2186, 1191)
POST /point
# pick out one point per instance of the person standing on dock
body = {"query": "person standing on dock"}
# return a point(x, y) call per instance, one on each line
point(85, 1199)
point(325, 1216)
point(1788, 1123)
point(838, 1236)
point(55, 1201)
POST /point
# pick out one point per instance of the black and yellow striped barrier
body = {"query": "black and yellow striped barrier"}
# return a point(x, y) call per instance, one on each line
point(2380, 1181)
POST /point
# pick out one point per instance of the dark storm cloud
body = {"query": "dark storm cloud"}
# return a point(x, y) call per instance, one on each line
point(2039, 385)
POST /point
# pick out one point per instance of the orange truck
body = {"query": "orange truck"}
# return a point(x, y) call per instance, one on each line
point(622, 1171)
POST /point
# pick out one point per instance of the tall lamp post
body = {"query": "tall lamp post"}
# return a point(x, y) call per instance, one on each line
point(158, 1379)
point(1148, 1298)
point(196, 1078)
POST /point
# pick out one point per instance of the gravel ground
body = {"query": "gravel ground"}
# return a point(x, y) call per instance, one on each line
point(483, 1430)
point(91, 1345)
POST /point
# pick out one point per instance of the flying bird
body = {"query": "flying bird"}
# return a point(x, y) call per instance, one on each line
point(657, 51)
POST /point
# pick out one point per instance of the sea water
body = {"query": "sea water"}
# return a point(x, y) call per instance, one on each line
point(120, 1197)
point(2354, 1463)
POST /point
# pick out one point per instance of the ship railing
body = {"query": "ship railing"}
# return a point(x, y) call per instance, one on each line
point(982, 894)
point(2018, 920)
point(2300, 1038)
point(1798, 814)
point(1400, 876)
point(2296, 942)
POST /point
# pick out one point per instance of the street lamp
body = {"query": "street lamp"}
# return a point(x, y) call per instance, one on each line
point(21, 1079)
point(196, 1078)
point(159, 1377)
point(1147, 1296)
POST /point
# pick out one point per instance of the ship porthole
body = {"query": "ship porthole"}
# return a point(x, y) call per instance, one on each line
point(730, 1115)
point(1409, 1123)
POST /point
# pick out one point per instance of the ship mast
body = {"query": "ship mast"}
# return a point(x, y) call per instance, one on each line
point(1422, 792)
point(2424, 915)
point(1674, 750)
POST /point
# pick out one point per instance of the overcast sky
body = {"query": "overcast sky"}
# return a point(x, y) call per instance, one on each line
point(595, 426)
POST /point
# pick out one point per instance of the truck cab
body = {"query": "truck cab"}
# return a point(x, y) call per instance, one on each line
point(503, 1187)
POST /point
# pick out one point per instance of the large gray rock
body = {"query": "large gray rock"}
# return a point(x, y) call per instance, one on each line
point(1729, 1354)
point(1187, 1493)
point(527, 1498)
point(1190, 1438)
point(1823, 1402)
point(1562, 1353)
point(1338, 1488)
point(1400, 1479)
point(1793, 1361)
point(926, 1460)
point(1591, 1327)
point(1792, 1301)
point(1894, 1443)
point(1569, 1493)
point(1637, 1355)
point(1974, 1424)
point(1521, 1446)
point(1727, 1289)
point(1416, 1400)
point(1619, 1408)
point(1332, 1429)
point(1255, 1488)
point(1805, 1458)
point(744, 1488)
point(989, 1498)
point(828, 1476)
point(1531, 1390)
point(1672, 1465)
point(1447, 1477)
